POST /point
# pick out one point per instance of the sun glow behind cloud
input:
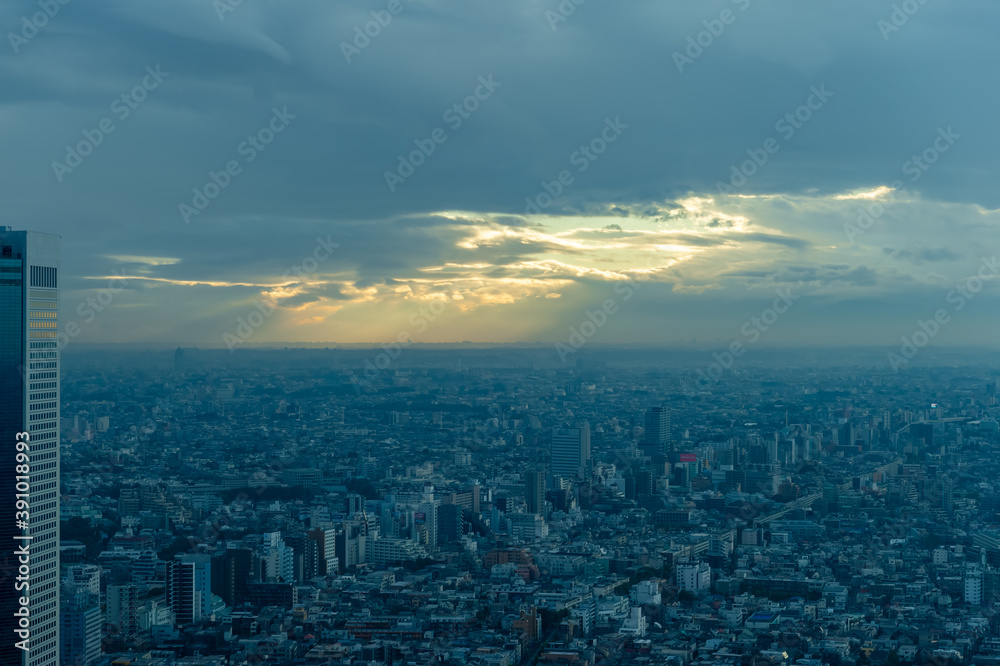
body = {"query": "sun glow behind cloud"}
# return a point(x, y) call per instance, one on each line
point(505, 278)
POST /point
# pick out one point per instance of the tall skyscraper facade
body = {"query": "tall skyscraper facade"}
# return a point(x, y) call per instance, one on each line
point(570, 451)
point(29, 391)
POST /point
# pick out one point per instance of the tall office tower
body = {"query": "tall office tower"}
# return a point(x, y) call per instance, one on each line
point(29, 390)
point(570, 451)
point(534, 491)
point(178, 361)
point(189, 592)
point(656, 431)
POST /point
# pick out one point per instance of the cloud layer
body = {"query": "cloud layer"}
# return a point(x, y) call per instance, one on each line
point(588, 161)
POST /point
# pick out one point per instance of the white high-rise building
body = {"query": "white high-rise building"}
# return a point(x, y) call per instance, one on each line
point(29, 390)
point(974, 585)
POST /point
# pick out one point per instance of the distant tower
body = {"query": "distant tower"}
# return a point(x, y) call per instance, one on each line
point(846, 434)
point(656, 431)
point(534, 491)
point(570, 451)
point(179, 361)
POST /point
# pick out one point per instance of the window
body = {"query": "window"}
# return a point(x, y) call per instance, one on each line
point(43, 276)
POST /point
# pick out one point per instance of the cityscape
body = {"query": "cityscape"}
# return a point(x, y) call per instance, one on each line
point(520, 333)
point(494, 507)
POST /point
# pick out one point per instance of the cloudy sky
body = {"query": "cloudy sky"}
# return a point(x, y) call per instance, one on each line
point(714, 153)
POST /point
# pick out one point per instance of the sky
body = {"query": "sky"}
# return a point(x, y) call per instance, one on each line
point(228, 173)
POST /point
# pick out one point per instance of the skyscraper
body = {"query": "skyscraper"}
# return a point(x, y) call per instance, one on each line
point(29, 390)
point(656, 431)
point(534, 491)
point(570, 451)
